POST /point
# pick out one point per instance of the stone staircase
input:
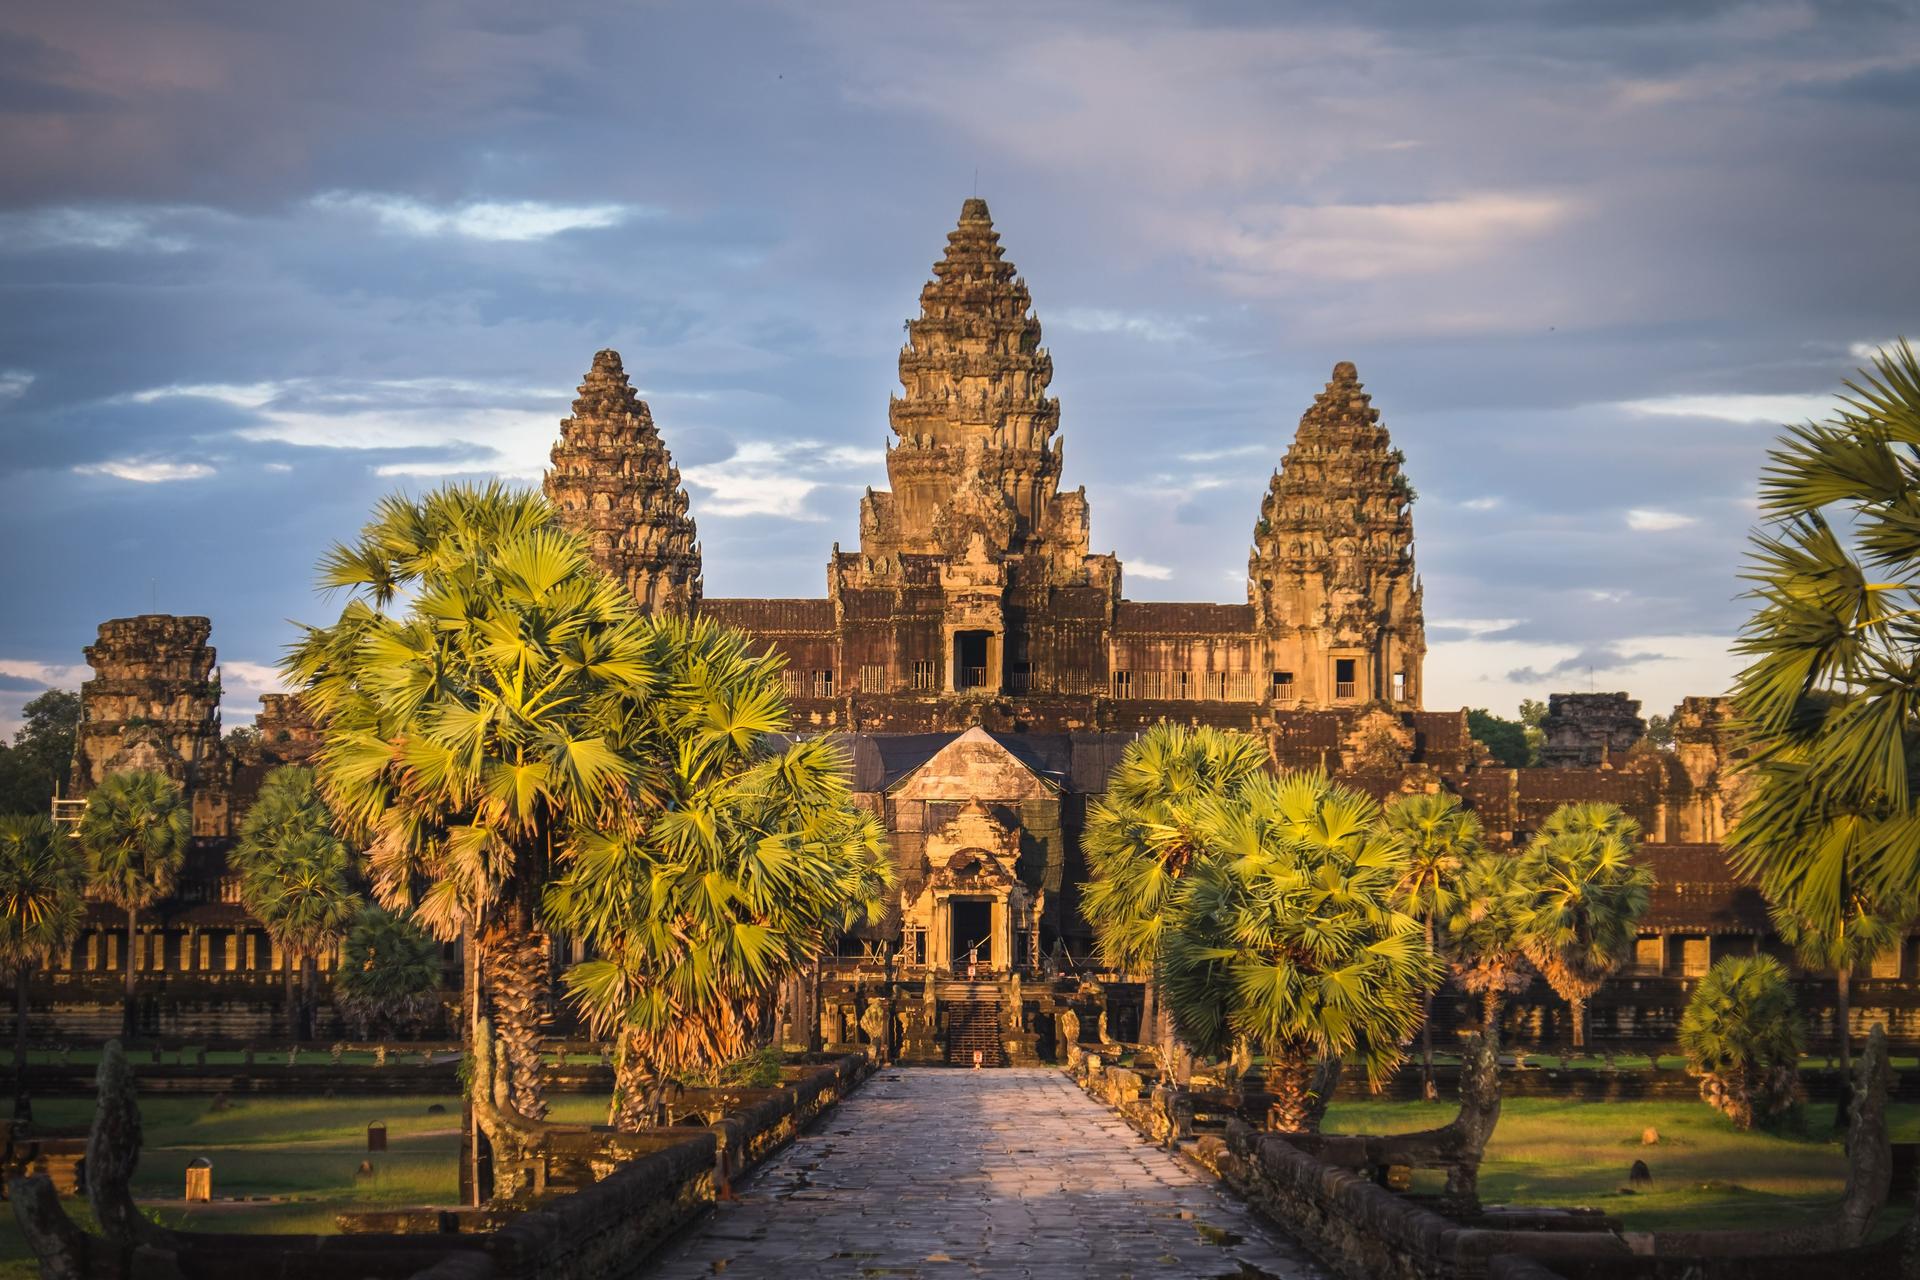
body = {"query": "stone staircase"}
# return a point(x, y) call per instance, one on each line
point(973, 1022)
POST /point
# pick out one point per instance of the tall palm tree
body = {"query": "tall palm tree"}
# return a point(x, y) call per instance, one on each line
point(1289, 931)
point(295, 879)
point(1483, 943)
point(1586, 895)
point(1140, 836)
point(1440, 837)
point(476, 694)
point(1828, 699)
point(42, 895)
point(389, 975)
point(1861, 931)
point(754, 859)
point(134, 835)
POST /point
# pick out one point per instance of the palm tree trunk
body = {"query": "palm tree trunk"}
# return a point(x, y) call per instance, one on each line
point(637, 1087)
point(1579, 1006)
point(514, 964)
point(1426, 1026)
point(126, 1008)
point(1490, 1011)
point(1290, 1084)
point(20, 1039)
point(289, 1002)
point(307, 966)
point(1843, 1028)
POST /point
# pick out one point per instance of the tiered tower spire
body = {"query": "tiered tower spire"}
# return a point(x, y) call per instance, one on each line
point(1332, 560)
point(615, 482)
point(975, 450)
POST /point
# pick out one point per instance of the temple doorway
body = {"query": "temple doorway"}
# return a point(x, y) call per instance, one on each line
point(971, 928)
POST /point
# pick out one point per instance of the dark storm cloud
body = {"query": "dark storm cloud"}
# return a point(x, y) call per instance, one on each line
point(261, 264)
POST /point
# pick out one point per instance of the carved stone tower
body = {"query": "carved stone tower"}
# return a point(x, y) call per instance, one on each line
point(975, 507)
point(1331, 577)
point(614, 481)
point(154, 703)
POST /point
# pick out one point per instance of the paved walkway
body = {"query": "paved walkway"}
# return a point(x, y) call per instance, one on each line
point(937, 1173)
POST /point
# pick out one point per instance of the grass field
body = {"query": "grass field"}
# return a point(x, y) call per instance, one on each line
point(303, 1152)
point(1706, 1174)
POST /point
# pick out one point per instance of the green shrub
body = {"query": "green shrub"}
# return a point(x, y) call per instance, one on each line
point(1742, 1036)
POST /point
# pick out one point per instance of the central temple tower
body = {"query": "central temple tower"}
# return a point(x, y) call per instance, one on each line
point(974, 538)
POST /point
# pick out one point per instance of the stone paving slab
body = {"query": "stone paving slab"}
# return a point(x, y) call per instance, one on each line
point(938, 1173)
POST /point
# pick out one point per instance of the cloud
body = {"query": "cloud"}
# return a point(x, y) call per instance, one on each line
point(1647, 520)
point(1232, 451)
point(14, 383)
point(499, 220)
point(1474, 626)
point(1768, 409)
point(146, 470)
point(1659, 670)
point(1146, 569)
point(1256, 245)
point(774, 478)
point(1481, 504)
point(50, 675)
point(104, 228)
point(1870, 351)
point(1099, 320)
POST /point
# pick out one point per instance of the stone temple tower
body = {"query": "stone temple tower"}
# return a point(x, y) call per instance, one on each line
point(614, 481)
point(1331, 577)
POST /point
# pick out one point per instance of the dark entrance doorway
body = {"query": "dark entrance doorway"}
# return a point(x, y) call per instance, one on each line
point(970, 659)
point(972, 926)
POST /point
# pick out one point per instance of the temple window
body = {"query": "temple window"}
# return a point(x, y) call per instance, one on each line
point(1121, 685)
point(970, 659)
point(1216, 686)
point(1240, 687)
point(823, 684)
point(1649, 955)
point(1399, 686)
point(1886, 964)
point(924, 679)
point(913, 945)
point(1183, 685)
point(1283, 684)
point(794, 682)
point(1696, 957)
point(1343, 677)
point(873, 678)
point(1020, 679)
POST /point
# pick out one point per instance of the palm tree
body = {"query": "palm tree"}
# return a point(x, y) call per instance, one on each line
point(134, 835)
point(1827, 701)
point(477, 694)
point(389, 975)
point(1860, 932)
point(1483, 935)
point(1586, 895)
point(753, 861)
point(294, 877)
point(42, 887)
point(1440, 838)
point(1289, 932)
point(1140, 835)
point(1742, 1035)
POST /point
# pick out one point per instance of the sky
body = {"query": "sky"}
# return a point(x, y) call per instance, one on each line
point(262, 264)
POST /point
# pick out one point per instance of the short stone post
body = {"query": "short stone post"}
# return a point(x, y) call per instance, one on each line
point(199, 1180)
point(377, 1136)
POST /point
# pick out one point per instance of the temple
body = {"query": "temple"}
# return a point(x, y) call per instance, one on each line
point(987, 671)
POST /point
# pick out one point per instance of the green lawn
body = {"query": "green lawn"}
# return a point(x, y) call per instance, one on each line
point(1706, 1174)
point(304, 1152)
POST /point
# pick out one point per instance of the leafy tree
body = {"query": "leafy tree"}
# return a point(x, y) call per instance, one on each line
point(389, 975)
point(753, 861)
point(295, 879)
point(1586, 896)
point(41, 753)
point(1506, 739)
point(42, 886)
point(242, 743)
point(134, 835)
point(477, 694)
point(1440, 838)
point(1660, 732)
point(1483, 943)
point(1142, 835)
point(1533, 714)
point(1289, 932)
point(1864, 930)
point(1742, 1036)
